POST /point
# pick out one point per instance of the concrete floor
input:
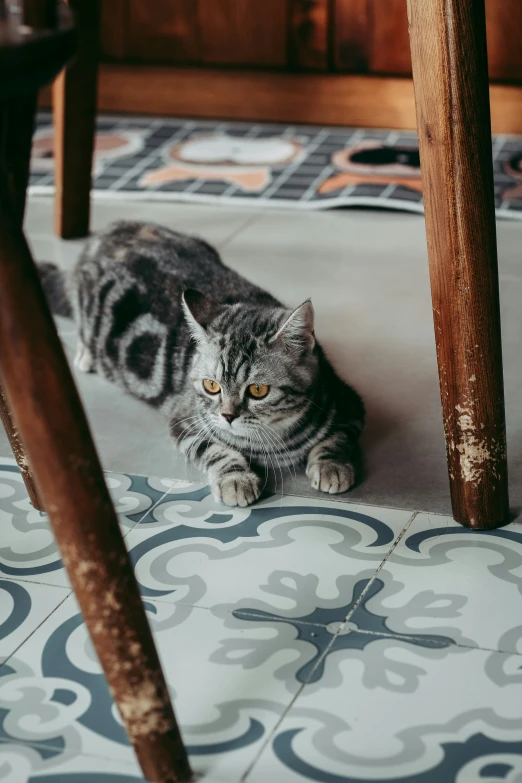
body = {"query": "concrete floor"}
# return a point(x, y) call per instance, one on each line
point(367, 274)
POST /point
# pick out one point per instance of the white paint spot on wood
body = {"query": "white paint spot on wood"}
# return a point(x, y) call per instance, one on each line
point(477, 455)
point(143, 711)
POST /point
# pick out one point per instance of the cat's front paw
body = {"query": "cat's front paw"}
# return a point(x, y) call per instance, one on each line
point(332, 477)
point(237, 489)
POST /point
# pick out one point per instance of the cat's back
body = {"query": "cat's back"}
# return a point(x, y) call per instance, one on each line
point(161, 262)
point(129, 247)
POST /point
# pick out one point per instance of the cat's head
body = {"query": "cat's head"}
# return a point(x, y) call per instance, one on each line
point(253, 366)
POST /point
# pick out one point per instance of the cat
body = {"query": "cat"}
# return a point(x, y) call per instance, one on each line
point(241, 378)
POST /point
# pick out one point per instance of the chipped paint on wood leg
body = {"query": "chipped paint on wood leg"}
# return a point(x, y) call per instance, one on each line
point(477, 455)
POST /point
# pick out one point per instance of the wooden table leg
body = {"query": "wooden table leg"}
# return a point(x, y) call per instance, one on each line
point(74, 111)
point(449, 58)
point(54, 430)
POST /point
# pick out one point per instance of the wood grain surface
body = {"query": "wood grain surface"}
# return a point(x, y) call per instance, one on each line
point(324, 99)
point(74, 113)
point(49, 416)
point(308, 34)
point(448, 44)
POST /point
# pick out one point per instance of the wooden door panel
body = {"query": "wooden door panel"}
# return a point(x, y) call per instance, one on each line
point(390, 49)
point(114, 29)
point(504, 24)
point(308, 34)
point(390, 42)
point(354, 36)
point(243, 32)
point(166, 30)
point(351, 35)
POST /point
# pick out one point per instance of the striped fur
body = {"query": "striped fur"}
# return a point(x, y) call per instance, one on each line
point(158, 312)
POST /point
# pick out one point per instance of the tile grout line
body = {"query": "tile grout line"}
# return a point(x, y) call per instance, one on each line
point(26, 581)
point(290, 620)
point(37, 628)
point(244, 777)
point(237, 231)
point(41, 746)
point(174, 484)
point(379, 569)
point(245, 614)
point(326, 651)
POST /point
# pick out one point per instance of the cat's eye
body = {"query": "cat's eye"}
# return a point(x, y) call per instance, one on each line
point(258, 390)
point(212, 387)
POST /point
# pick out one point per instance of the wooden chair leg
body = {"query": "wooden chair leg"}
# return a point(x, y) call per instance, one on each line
point(16, 131)
point(16, 134)
point(19, 452)
point(449, 58)
point(74, 110)
point(50, 417)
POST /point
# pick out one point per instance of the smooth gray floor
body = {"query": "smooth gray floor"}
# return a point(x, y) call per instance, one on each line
point(367, 274)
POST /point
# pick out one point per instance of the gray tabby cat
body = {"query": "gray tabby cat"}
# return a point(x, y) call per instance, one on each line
point(241, 378)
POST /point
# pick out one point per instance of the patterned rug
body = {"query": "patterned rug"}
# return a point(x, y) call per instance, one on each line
point(300, 167)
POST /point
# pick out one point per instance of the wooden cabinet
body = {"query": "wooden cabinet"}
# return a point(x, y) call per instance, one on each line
point(343, 36)
point(388, 48)
point(242, 32)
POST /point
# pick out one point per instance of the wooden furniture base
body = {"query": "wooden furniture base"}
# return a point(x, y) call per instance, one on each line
point(322, 99)
point(449, 56)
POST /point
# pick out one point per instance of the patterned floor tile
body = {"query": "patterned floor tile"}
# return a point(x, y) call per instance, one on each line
point(393, 711)
point(248, 609)
point(28, 550)
point(295, 558)
point(23, 607)
point(448, 583)
point(28, 764)
point(230, 682)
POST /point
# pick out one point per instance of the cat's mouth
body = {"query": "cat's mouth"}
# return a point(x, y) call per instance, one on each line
point(237, 427)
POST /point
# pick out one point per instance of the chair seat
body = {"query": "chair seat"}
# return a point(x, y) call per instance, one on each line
point(30, 58)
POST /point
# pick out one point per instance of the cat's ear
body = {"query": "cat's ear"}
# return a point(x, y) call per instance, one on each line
point(200, 310)
point(298, 328)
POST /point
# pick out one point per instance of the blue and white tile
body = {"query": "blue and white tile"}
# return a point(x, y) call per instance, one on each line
point(230, 683)
point(23, 607)
point(28, 550)
point(28, 764)
point(444, 580)
point(393, 711)
point(287, 557)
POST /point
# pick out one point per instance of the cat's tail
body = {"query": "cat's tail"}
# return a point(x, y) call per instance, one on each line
point(54, 286)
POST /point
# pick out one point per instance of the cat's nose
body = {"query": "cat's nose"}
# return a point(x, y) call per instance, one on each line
point(229, 417)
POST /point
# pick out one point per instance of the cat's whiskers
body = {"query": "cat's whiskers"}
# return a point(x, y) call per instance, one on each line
point(263, 449)
point(278, 447)
point(249, 435)
point(314, 403)
point(186, 431)
point(187, 418)
point(201, 435)
point(282, 446)
point(261, 433)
